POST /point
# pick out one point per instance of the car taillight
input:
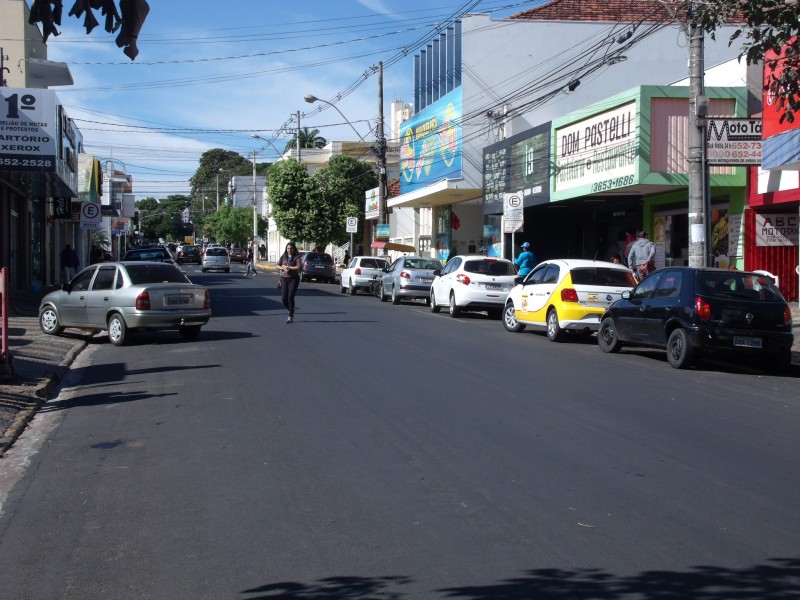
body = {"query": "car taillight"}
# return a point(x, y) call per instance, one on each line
point(405, 275)
point(703, 309)
point(787, 316)
point(207, 301)
point(569, 295)
point(358, 271)
point(463, 278)
point(143, 301)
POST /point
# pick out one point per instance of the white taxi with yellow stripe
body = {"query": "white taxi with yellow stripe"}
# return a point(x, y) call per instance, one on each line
point(563, 295)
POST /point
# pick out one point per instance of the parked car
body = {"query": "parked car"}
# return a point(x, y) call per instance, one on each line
point(153, 253)
point(469, 283)
point(238, 254)
point(359, 272)
point(317, 265)
point(216, 259)
point(565, 295)
point(689, 311)
point(189, 254)
point(122, 297)
point(409, 277)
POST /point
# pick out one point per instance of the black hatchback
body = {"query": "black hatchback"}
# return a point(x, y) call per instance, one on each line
point(317, 265)
point(690, 310)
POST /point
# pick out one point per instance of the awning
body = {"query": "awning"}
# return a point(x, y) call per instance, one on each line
point(446, 191)
point(394, 246)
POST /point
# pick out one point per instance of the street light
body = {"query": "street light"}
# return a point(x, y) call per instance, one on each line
point(311, 98)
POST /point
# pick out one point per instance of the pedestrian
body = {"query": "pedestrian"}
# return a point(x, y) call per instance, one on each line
point(289, 266)
point(640, 258)
point(69, 262)
point(262, 252)
point(526, 260)
point(249, 262)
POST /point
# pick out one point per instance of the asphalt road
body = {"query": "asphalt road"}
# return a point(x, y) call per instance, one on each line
point(379, 451)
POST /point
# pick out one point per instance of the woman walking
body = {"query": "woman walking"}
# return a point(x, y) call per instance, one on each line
point(250, 263)
point(289, 266)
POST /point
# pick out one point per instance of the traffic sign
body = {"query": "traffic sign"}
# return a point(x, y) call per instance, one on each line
point(352, 225)
point(512, 213)
point(90, 215)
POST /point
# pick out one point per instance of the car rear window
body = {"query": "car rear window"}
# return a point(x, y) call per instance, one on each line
point(601, 276)
point(744, 286)
point(490, 267)
point(416, 263)
point(216, 252)
point(372, 263)
point(161, 273)
point(146, 255)
point(323, 258)
point(190, 249)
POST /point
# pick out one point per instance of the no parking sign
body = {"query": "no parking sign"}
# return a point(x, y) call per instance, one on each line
point(90, 215)
point(352, 225)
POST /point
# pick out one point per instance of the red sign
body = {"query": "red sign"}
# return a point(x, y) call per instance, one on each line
point(770, 113)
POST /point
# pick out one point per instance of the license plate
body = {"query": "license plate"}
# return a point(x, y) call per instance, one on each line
point(493, 286)
point(426, 279)
point(592, 297)
point(747, 342)
point(178, 300)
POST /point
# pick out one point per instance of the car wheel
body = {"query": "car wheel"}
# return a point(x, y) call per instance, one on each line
point(353, 290)
point(607, 336)
point(383, 295)
point(342, 289)
point(227, 270)
point(117, 330)
point(434, 307)
point(190, 332)
point(395, 296)
point(554, 331)
point(454, 310)
point(48, 321)
point(204, 270)
point(680, 353)
point(510, 319)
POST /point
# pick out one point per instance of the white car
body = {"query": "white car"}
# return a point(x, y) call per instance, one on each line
point(216, 259)
point(469, 283)
point(359, 273)
point(565, 295)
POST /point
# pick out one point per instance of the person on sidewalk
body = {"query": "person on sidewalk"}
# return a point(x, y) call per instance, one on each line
point(289, 266)
point(640, 258)
point(69, 263)
point(249, 262)
point(526, 260)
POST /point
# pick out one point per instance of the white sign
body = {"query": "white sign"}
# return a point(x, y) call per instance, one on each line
point(600, 151)
point(28, 129)
point(90, 216)
point(513, 209)
point(371, 207)
point(733, 142)
point(776, 229)
point(351, 225)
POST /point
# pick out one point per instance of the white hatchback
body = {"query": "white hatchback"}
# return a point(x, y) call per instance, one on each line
point(359, 273)
point(476, 282)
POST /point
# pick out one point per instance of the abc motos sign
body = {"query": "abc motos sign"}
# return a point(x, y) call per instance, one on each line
point(777, 230)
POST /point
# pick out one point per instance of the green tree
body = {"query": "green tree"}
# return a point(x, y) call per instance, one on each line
point(216, 167)
point(232, 224)
point(338, 192)
point(766, 25)
point(309, 138)
point(288, 188)
point(162, 219)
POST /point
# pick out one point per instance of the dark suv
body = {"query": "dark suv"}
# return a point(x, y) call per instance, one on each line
point(190, 254)
point(689, 311)
point(319, 266)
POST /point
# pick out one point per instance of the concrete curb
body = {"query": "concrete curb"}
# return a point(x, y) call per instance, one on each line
point(42, 391)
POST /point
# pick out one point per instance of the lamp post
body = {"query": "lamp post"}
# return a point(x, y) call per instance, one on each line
point(311, 98)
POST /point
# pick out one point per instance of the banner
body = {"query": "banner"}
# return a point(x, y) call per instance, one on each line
point(776, 229)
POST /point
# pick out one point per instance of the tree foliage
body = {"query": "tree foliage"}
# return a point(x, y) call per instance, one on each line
point(769, 25)
point(309, 138)
point(314, 208)
point(163, 219)
point(232, 224)
point(216, 166)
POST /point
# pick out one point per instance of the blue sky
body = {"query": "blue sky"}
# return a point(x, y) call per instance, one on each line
point(210, 73)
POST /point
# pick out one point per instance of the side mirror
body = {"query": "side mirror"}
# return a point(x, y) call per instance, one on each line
point(437, 272)
point(626, 294)
point(66, 288)
point(518, 280)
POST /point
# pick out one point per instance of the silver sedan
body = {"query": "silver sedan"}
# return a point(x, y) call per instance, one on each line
point(127, 296)
point(409, 277)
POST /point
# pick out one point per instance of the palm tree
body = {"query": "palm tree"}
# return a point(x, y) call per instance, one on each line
point(309, 138)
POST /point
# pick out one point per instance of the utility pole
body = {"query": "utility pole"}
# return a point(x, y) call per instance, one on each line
point(255, 205)
point(298, 136)
point(382, 191)
point(699, 200)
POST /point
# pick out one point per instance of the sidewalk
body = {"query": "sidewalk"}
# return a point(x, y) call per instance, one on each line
point(39, 362)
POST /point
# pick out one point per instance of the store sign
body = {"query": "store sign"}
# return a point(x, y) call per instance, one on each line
point(29, 128)
point(62, 208)
point(733, 142)
point(371, 207)
point(382, 232)
point(777, 229)
point(599, 152)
